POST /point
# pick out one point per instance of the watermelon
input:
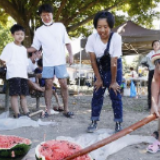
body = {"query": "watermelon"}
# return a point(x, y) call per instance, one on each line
point(58, 150)
point(13, 147)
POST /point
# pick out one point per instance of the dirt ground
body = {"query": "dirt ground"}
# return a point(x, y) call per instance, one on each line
point(134, 110)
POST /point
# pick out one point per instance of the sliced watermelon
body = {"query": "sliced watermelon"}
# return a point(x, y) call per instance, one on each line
point(13, 147)
point(58, 150)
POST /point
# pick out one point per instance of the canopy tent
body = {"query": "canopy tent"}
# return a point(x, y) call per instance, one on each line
point(83, 58)
point(136, 40)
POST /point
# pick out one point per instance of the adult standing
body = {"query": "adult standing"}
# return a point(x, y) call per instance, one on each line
point(151, 67)
point(53, 38)
point(109, 77)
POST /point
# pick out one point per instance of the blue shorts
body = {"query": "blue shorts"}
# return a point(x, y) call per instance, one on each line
point(59, 71)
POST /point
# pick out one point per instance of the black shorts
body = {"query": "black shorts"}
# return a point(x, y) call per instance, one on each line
point(18, 86)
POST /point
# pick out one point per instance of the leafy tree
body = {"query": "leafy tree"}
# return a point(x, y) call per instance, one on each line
point(5, 35)
point(76, 15)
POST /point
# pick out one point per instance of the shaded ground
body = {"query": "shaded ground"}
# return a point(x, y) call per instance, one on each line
point(134, 110)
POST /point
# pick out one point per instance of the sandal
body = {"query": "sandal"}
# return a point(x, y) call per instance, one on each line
point(68, 114)
point(58, 109)
point(17, 115)
point(154, 148)
point(45, 115)
point(155, 134)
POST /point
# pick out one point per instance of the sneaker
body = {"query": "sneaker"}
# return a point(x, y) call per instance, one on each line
point(92, 127)
point(118, 127)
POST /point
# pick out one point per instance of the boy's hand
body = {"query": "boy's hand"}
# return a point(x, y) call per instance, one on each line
point(70, 59)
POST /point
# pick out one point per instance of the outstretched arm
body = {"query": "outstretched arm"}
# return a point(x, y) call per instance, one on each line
point(98, 83)
point(114, 85)
point(69, 48)
point(31, 50)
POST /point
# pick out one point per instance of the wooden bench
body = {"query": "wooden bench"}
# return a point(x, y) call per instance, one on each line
point(3, 77)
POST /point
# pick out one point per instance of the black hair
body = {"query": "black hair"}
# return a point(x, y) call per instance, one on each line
point(40, 63)
point(155, 42)
point(16, 27)
point(40, 49)
point(131, 68)
point(45, 8)
point(104, 14)
point(30, 54)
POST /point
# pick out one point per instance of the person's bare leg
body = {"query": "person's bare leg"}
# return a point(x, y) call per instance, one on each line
point(64, 93)
point(159, 119)
point(35, 86)
point(23, 102)
point(48, 94)
point(14, 105)
point(57, 99)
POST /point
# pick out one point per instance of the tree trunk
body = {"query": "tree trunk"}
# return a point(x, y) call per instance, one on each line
point(29, 36)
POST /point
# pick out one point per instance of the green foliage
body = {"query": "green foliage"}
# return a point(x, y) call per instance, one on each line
point(3, 17)
point(5, 35)
point(77, 15)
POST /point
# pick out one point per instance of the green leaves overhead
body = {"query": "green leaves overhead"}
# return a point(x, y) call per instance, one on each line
point(77, 15)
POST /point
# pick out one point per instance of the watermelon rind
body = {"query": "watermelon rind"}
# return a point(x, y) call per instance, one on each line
point(41, 157)
point(38, 157)
point(20, 150)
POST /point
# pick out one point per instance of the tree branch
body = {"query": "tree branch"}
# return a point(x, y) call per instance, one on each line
point(60, 9)
point(82, 9)
point(80, 23)
point(9, 8)
point(92, 16)
point(116, 4)
point(33, 4)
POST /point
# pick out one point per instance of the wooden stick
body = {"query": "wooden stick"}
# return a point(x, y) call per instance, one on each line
point(34, 113)
point(113, 137)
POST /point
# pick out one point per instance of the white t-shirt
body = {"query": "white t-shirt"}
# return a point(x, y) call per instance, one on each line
point(16, 60)
point(149, 55)
point(52, 39)
point(95, 45)
point(31, 67)
point(134, 74)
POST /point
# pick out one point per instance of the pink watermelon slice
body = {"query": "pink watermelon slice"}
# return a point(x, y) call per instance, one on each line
point(58, 150)
point(13, 147)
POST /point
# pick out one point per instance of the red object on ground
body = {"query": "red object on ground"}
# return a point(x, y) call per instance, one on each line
point(13, 147)
point(58, 150)
point(11, 141)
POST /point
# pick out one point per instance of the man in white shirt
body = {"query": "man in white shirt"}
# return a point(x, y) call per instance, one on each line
point(53, 38)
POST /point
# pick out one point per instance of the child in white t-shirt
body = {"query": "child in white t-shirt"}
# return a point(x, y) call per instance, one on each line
point(14, 56)
point(133, 73)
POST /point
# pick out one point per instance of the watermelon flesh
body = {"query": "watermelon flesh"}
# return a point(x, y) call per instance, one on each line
point(58, 150)
point(13, 147)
